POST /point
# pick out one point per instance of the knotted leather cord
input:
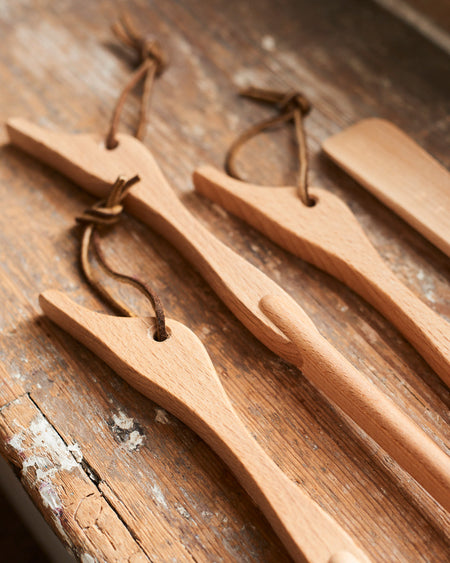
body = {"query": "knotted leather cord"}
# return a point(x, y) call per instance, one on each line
point(152, 63)
point(106, 213)
point(292, 106)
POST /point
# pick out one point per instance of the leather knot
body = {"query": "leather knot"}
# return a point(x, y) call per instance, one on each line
point(108, 211)
point(293, 101)
point(100, 214)
point(151, 49)
point(151, 64)
point(145, 46)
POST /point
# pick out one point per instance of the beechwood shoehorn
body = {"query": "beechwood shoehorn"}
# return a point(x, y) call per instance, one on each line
point(329, 236)
point(85, 160)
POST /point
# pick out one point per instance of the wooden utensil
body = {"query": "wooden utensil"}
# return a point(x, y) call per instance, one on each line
point(397, 171)
point(329, 236)
point(179, 375)
point(240, 285)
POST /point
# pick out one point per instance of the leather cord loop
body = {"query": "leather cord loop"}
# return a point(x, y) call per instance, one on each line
point(151, 63)
point(292, 106)
point(106, 213)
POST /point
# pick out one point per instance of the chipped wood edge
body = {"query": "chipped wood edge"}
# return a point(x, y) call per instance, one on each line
point(53, 475)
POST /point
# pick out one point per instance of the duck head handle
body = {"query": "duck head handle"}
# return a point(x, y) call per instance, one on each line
point(329, 236)
point(86, 161)
point(178, 374)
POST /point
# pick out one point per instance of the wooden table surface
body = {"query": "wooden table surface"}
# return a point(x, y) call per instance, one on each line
point(118, 478)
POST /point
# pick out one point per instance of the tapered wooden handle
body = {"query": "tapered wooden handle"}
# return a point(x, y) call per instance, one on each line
point(428, 332)
point(399, 172)
point(179, 375)
point(305, 529)
point(329, 236)
point(360, 399)
point(85, 160)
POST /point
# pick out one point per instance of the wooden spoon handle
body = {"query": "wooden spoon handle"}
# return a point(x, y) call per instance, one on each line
point(378, 416)
point(329, 236)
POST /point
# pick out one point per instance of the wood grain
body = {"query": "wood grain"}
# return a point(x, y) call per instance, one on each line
point(52, 475)
point(344, 250)
point(178, 499)
point(329, 236)
point(178, 374)
point(400, 173)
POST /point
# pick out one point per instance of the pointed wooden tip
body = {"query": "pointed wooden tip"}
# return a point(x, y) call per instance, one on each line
point(57, 306)
point(231, 193)
point(19, 129)
point(16, 123)
point(209, 180)
point(50, 299)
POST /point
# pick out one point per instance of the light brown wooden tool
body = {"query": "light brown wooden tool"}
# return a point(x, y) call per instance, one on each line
point(399, 172)
point(178, 374)
point(329, 236)
point(326, 368)
point(239, 284)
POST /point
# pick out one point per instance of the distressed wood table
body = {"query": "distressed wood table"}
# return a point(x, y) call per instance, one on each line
point(116, 477)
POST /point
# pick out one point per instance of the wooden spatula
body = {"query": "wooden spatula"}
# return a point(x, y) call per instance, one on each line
point(397, 171)
point(178, 374)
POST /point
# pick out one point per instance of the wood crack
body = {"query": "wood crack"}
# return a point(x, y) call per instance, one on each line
point(59, 485)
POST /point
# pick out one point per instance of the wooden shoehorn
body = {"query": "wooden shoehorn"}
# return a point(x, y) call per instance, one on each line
point(84, 159)
point(329, 236)
point(396, 170)
point(326, 368)
point(179, 375)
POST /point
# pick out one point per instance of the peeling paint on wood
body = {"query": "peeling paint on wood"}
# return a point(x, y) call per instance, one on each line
point(59, 486)
point(340, 53)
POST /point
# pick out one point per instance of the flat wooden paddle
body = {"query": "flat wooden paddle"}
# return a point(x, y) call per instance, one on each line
point(179, 375)
point(329, 236)
point(397, 171)
point(240, 285)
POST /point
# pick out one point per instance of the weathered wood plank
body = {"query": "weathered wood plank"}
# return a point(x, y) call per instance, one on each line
point(52, 474)
point(179, 500)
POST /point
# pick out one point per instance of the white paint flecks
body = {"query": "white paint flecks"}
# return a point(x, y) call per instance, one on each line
point(162, 416)
point(123, 421)
point(44, 436)
point(16, 442)
point(75, 450)
point(43, 467)
point(50, 497)
point(268, 43)
point(128, 431)
point(86, 558)
point(45, 454)
point(184, 513)
point(135, 440)
point(429, 294)
point(17, 376)
point(158, 495)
